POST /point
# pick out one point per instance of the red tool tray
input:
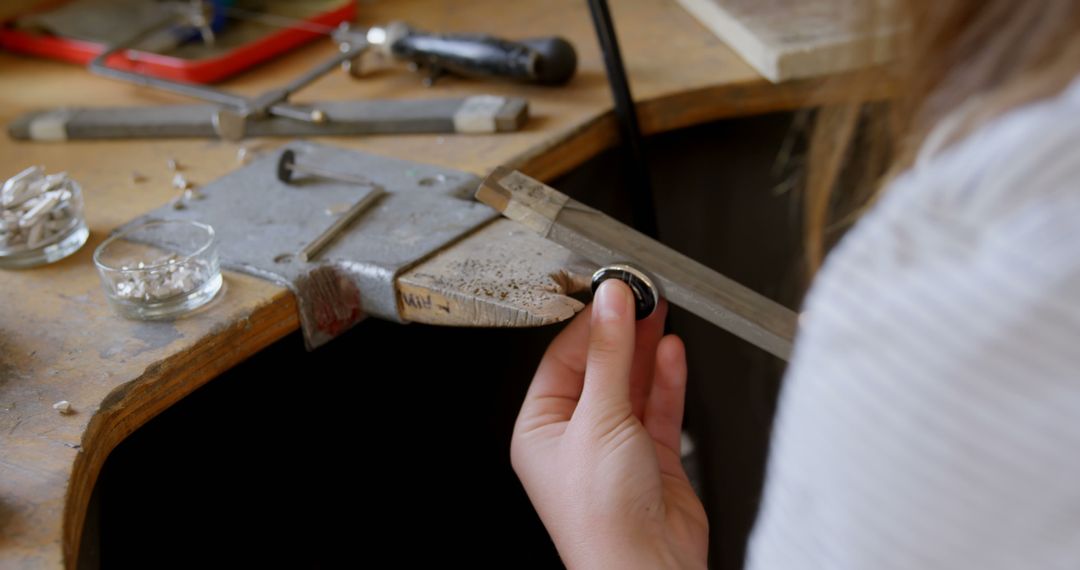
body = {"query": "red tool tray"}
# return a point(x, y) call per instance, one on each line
point(205, 70)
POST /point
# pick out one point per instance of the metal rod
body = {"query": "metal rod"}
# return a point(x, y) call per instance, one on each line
point(352, 52)
point(277, 21)
point(318, 244)
point(639, 179)
point(274, 102)
point(99, 66)
point(339, 176)
point(289, 111)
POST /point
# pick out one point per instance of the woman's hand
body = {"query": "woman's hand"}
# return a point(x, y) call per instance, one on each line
point(597, 442)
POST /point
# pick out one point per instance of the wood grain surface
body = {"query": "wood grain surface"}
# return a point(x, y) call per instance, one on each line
point(59, 340)
point(792, 39)
point(500, 276)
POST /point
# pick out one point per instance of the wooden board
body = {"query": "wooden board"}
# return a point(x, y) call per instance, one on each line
point(59, 340)
point(794, 39)
point(501, 276)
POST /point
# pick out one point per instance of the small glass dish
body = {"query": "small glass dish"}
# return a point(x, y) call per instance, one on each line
point(159, 269)
point(41, 220)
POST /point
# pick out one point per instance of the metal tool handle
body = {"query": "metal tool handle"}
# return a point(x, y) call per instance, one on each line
point(546, 61)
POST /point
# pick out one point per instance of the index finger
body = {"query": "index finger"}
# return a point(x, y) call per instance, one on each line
point(560, 377)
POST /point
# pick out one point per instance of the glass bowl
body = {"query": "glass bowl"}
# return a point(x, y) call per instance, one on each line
point(159, 269)
point(41, 219)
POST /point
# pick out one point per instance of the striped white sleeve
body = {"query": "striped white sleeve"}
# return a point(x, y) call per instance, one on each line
point(930, 418)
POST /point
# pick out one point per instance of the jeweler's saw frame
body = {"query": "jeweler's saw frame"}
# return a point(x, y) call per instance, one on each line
point(233, 117)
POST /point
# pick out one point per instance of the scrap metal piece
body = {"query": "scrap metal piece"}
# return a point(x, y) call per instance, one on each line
point(179, 182)
point(36, 208)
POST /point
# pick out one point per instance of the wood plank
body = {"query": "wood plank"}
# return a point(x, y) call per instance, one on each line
point(795, 39)
point(501, 276)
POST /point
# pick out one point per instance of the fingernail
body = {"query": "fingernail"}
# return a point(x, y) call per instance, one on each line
point(610, 302)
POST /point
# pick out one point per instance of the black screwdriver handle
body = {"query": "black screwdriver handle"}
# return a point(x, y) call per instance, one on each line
point(546, 61)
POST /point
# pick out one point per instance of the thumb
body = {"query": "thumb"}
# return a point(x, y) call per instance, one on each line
point(611, 349)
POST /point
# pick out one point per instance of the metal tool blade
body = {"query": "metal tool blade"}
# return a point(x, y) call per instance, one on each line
point(497, 114)
point(603, 240)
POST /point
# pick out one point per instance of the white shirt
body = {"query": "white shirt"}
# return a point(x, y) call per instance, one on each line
point(930, 417)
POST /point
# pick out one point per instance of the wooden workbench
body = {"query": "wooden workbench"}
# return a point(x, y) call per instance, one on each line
point(60, 341)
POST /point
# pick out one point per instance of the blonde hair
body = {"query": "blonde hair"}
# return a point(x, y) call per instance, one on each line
point(1004, 52)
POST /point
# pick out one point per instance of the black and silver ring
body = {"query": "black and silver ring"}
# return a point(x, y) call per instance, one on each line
point(646, 295)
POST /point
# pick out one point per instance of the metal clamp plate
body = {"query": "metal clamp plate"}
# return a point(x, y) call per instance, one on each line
point(262, 223)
